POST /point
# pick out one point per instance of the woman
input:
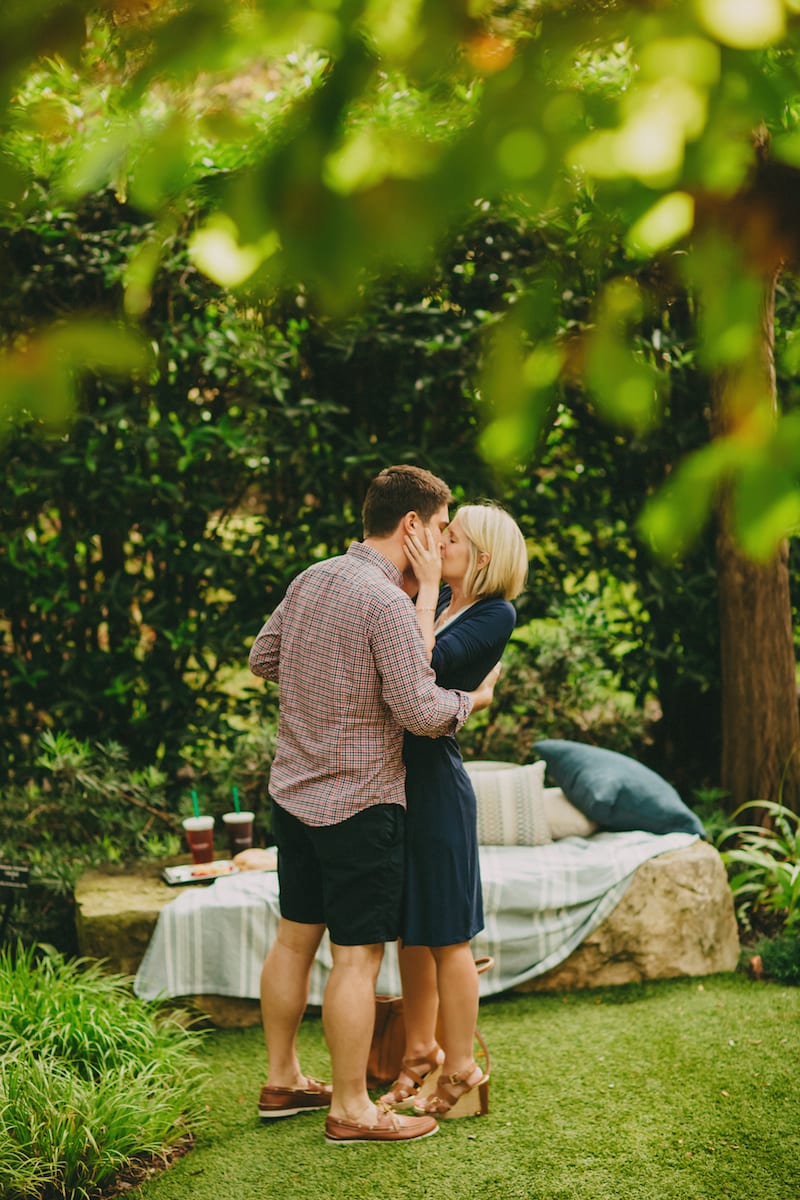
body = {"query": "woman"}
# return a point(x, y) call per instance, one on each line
point(483, 564)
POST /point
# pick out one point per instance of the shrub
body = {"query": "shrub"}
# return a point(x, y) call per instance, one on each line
point(763, 865)
point(90, 1077)
point(85, 805)
point(82, 806)
point(559, 680)
point(780, 957)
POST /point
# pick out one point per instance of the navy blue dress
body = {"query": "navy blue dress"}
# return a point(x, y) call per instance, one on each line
point(443, 901)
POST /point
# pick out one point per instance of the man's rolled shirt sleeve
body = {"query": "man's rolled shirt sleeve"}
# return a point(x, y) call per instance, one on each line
point(409, 685)
point(265, 652)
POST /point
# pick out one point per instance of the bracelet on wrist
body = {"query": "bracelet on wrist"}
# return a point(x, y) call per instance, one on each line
point(424, 608)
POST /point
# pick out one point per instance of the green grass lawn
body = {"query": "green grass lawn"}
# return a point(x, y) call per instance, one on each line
point(682, 1090)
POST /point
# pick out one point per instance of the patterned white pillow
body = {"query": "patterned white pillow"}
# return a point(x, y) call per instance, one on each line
point(511, 809)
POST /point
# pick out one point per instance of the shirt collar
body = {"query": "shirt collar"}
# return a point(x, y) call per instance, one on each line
point(368, 554)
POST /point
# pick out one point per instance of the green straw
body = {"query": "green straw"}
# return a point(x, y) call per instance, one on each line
point(195, 803)
point(235, 791)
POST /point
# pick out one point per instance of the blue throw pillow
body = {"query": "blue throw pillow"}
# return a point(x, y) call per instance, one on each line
point(616, 791)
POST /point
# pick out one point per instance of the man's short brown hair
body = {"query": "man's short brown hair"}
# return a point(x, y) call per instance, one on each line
point(399, 490)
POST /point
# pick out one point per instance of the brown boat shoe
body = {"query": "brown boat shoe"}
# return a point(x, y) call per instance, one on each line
point(389, 1127)
point(289, 1102)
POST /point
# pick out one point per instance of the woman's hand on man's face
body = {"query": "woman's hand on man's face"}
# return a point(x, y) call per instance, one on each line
point(424, 555)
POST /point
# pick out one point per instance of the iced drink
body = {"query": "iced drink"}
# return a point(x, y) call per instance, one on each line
point(239, 828)
point(200, 836)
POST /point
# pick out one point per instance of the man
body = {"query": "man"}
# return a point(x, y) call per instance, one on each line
point(345, 646)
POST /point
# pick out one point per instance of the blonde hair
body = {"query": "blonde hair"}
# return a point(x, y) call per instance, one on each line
point(490, 530)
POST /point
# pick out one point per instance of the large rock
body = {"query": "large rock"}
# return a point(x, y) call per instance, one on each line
point(676, 918)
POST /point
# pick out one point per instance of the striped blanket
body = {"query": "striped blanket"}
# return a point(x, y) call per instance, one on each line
point(540, 902)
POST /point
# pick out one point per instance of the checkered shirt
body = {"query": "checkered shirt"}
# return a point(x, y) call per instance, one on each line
point(346, 649)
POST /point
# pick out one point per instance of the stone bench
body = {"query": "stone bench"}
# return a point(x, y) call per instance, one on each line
point(675, 919)
point(116, 910)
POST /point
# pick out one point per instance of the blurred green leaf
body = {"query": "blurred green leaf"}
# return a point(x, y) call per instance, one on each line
point(38, 380)
point(745, 24)
point(731, 301)
point(518, 390)
point(96, 162)
point(670, 219)
point(766, 508)
point(625, 386)
point(766, 500)
point(673, 518)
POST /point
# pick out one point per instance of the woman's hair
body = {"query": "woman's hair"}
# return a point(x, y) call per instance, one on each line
point(490, 530)
point(397, 491)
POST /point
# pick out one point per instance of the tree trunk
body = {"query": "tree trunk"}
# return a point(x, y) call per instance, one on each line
point(760, 725)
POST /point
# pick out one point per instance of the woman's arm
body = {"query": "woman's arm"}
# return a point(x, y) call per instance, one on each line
point(469, 648)
point(426, 563)
point(483, 694)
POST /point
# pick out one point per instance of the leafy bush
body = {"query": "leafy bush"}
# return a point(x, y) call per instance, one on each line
point(764, 865)
point(215, 768)
point(559, 680)
point(84, 805)
point(90, 1078)
point(780, 957)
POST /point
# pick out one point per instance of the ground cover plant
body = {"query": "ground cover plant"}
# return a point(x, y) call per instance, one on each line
point(763, 864)
point(91, 1079)
point(679, 1090)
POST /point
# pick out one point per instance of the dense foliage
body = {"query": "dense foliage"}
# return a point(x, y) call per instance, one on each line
point(118, 539)
point(334, 141)
point(143, 544)
point(91, 1079)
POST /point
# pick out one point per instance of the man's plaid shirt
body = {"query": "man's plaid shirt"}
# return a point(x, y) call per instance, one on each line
point(345, 646)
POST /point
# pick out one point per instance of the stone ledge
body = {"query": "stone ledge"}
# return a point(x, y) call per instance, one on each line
point(116, 911)
point(675, 919)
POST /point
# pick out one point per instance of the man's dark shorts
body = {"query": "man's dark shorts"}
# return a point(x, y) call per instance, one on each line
point(348, 876)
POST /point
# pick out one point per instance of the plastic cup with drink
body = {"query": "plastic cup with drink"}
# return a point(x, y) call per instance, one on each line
point(199, 832)
point(239, 828)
